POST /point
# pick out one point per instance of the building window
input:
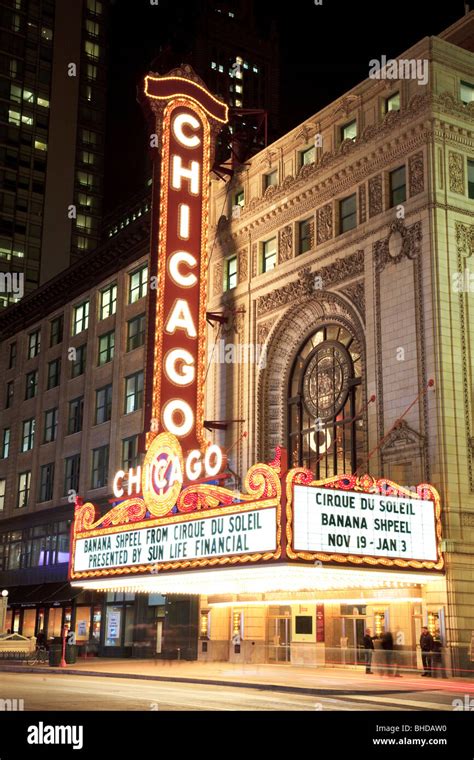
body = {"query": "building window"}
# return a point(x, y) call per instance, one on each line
point(46, 482)
point(347, 214)
point(92, 49)
point(9, 394)
point(230, 273)
point(81, 318)
point(270, 179)
point(94, 7)
point(324, 398)
point(239, 199)
point(100, 466)
point(50, 425)
point(106, 347)
point(2, 493)
point(92, 28)
point(397, 186)
point(305, 236)
point(470, 179)
point(78, 364)
point(308, 156)
point(72, 467)
point(269, 255)
point(137, 287)
point(24, 483)
point(103, 404)
point(108, 301)
point(75, 415)
point(130, 452)
point(349, 131)
point(28, 435)
point(466, 92)
point(57, 326)
point(392, 103)
point(34, 344)
point(135, 332)
point(5, 443)
point(54, 373)
point(31, 384)
point(133, 392)
point(12, 356)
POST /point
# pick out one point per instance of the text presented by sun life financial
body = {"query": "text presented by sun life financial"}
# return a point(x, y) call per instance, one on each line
point(241, 533)
point(346, 522)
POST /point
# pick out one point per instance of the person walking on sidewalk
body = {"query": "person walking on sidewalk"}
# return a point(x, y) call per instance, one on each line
point(368, 642)
point(426, 646)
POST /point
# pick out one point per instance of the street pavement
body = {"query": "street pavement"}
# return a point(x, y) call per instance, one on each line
point(156, 685)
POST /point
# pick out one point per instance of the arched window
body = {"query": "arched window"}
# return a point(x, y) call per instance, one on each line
point(325, 394)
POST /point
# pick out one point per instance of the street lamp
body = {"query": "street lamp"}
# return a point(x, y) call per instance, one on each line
point(4, 592)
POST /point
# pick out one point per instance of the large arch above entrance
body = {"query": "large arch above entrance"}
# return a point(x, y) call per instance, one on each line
point(292, 329)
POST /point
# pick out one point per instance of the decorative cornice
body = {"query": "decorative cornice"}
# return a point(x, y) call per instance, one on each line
point(402, 439)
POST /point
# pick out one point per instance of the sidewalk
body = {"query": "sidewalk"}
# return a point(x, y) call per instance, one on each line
point(261, 676)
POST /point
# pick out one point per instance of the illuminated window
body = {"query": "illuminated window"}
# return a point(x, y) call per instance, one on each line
point(54, 373)
point(29, 96)
point(84, 222)
point(239, 198)
point(86, 200)
point(88, 93)
point(14, 117)
point(349, 131)
point(78, 364)
point(43, 102)
point(24, 484)
point(91, 71)
point(108, 301)
point(72, 466)
point(5, 443)
point(392, 103)
point(231, 273)
point(34, 344)
point(347, 213)
point(75, 415)
point(50, 425)
point(94, 6)
point(133, 392)
point(305, 235)
point(138, 282)
point(13, 68)
point(87, 157)
point(255, 69)
point(28, 435)
point(103, 405)
point(470, 179)
point(89, 137)
point(28, 120)
point(15, 93)
point(221, 69)
point(213, 65)
point(270, 179)
point(31, 384)
point(100, 466)
point(106, 348)
point(92, 28)
point(16, 22)
point(308, 156)
point(85, 180)
point(238, 88)
point(466, 92)
point(92, 49)
point(397, 186)
point(130, 456)
point(269, 255)
point(2, 493)
point(46, 34)
point(80, 318)
point(246, 65)
point(135, 332)
point(40, 145)
point(238, 103)
point(46, 482)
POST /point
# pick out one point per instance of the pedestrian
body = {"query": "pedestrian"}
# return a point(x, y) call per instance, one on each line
point(387, 646)
point(426, 646)
point(368, 642)
point(437, 657)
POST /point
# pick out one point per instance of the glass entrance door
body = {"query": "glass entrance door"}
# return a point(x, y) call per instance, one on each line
point(278, 639)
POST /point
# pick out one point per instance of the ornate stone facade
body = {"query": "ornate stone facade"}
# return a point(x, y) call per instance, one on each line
point(375, 195)
point(456, 172)
point(416, 180)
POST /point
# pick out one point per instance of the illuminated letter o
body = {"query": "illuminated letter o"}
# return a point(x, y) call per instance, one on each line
point(177, 406)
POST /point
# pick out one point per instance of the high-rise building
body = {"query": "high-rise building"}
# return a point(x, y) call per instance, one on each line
point(52, 106)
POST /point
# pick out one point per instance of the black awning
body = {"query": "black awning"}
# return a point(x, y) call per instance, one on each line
point(63, 593)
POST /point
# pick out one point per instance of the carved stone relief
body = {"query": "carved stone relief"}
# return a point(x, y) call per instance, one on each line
point(375, 195)
point(416, 182)
point(324, 223)
point(456, 172)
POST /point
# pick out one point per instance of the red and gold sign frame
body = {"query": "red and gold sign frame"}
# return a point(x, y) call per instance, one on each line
point(365, 484)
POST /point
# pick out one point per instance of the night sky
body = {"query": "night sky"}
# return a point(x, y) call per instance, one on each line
point(324, 51)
